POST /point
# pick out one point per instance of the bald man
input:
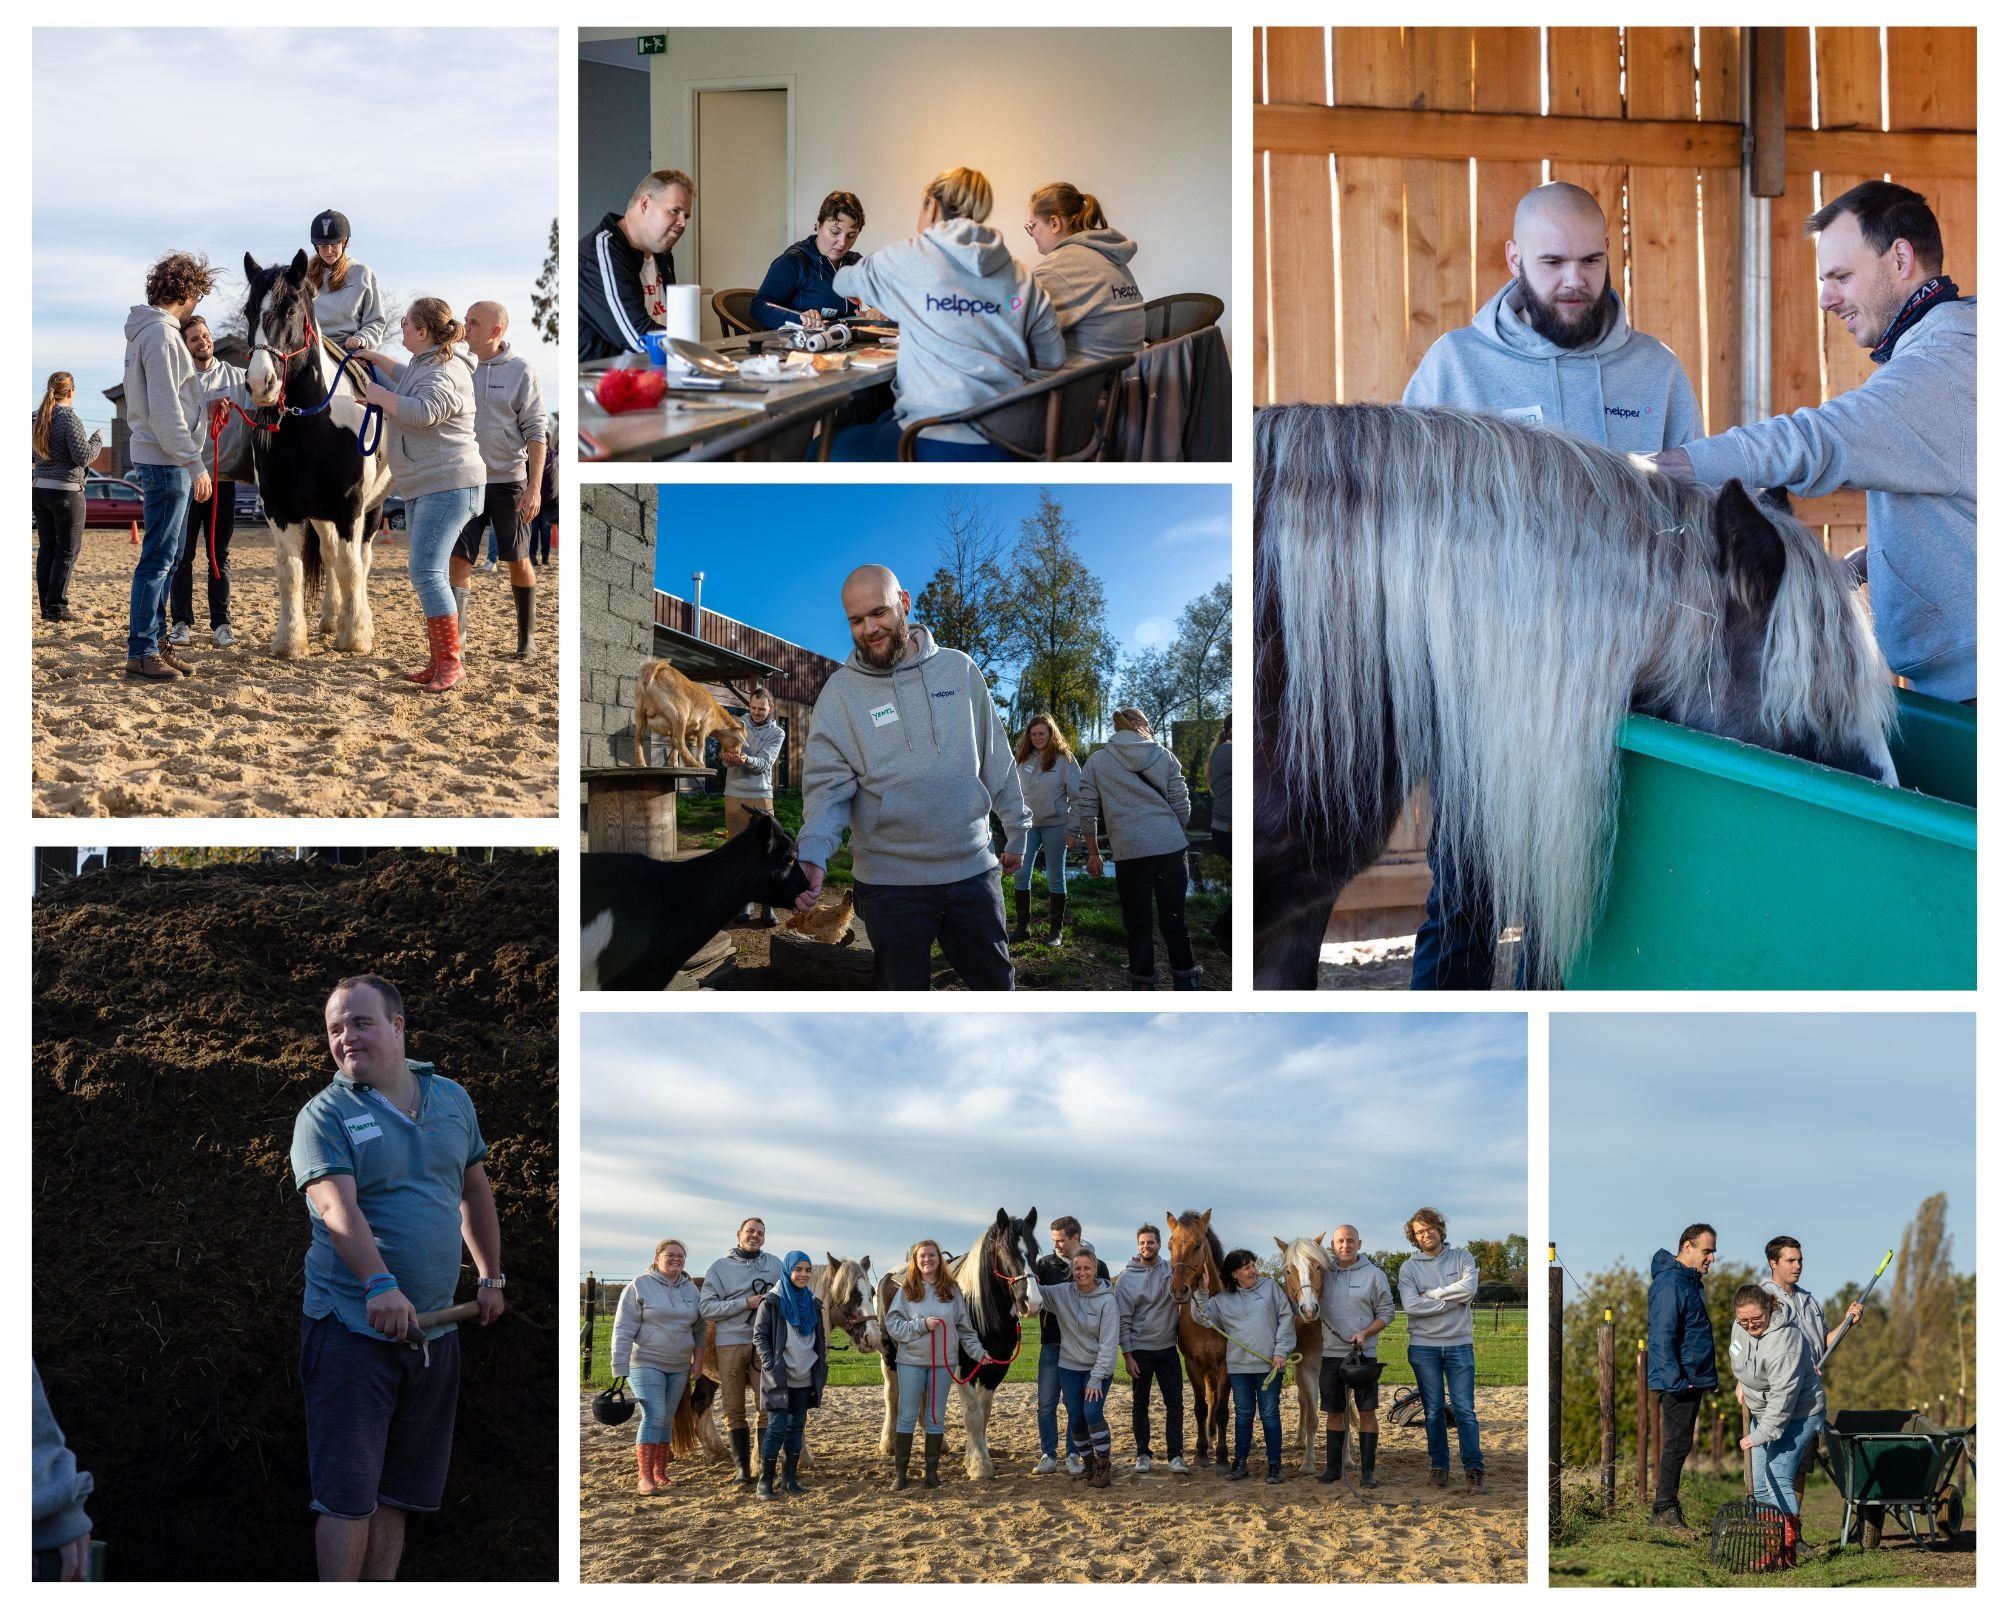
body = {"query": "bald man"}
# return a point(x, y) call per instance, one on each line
point(1552, 349)
point(513, 431)
point(909, 755)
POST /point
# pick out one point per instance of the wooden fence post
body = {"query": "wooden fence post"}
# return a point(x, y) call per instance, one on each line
point(1643, 1414)
point(1961, 1454)
point(589, 1322)
point(1607, 1415)
point(1555, 1389)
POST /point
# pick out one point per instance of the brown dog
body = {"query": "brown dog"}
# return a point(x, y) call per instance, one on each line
point(672, 703)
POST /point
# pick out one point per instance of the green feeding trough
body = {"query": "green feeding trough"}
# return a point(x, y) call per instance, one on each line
point(1737, 868)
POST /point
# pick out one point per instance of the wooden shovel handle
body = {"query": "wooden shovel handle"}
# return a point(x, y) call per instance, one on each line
point(466, 1311)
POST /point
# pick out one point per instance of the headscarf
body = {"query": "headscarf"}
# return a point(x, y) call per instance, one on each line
point(797, 1305)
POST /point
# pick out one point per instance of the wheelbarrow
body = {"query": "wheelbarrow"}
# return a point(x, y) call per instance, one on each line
point(1895, 1464)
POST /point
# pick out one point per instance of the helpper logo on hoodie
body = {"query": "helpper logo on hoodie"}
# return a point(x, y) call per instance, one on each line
point(961, 306)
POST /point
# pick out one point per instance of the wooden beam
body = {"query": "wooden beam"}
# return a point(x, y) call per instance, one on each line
point(1907, 154)
point(1766, 49)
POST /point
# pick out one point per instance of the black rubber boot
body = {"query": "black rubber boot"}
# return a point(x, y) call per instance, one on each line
point(1019, 934)
point(739, 1449)
point(1190, 979)
point(766, 1476)
point(1336, 1455)
point(792, 1484)
point(1368, 1444)
point(902, 1448)
point(524, 623)
point(1058, 904)
point(933, 1448)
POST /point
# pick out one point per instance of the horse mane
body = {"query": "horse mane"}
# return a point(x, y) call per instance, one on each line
point(1414, 567)
point(974, 1273)
point(1313, 1251)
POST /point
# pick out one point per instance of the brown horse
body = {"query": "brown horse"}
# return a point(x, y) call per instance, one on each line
point(1306, 1264)
point(1197, 1255)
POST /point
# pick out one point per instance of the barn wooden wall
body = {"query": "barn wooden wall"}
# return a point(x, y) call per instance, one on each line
point(1389, 160)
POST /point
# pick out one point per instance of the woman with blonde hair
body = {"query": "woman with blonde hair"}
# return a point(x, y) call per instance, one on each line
point(347, 304)
point(929, 1323)
point(428, 412)
point(656, 1341)
point(59, 466)
point(1085, 269)
point(1137, 787)
point(1050, 779)
point(974, 323)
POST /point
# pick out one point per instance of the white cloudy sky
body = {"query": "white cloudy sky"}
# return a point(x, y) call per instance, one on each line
point(862, 1133)
point(439, 145)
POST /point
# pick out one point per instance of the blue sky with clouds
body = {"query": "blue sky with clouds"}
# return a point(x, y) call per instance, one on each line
point(438, 144)
point(862, 1133)
point(1832, 1128)
point(775, 555)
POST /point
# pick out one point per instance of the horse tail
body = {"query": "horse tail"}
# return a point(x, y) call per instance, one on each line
point(314, 565)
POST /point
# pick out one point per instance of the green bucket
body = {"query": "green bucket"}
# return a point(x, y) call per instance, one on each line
point(1737, 868)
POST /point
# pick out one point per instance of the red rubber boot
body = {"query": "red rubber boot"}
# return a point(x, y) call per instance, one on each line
point(450, 670)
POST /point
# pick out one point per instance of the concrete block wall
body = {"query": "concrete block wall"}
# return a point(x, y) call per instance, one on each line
point(619, 539)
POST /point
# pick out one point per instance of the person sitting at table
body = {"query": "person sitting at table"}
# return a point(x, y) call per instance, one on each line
point(798, 288)
point(1086, 272)
point(974, 322)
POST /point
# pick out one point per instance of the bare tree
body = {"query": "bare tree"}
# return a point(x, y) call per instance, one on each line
point(960, 604)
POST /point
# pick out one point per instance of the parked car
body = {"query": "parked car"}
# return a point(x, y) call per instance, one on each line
point(112, 503)
point(249, 504)
point(393, 512)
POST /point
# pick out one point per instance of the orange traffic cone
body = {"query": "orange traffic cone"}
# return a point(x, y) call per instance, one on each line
point(135, 533)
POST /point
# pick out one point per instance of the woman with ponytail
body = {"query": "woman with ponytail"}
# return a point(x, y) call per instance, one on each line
point(347, 304)
point(1085, 270)
point(428, 412)
point(62, 458)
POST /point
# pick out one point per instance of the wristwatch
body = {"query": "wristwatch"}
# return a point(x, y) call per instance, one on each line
point(494, 1283)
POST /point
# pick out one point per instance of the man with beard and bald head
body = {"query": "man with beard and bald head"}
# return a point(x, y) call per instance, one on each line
point(1553, 350)
point(908, 754)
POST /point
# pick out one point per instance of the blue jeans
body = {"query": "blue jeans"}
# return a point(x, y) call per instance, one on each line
point(1089, 1433)
point(433, 524)
point(659, 1396)
point(1052, 842)
point(1774, 1468)
point(879, 441)
point(1254, 1391)
point(1455, 946)
point(786, 1430)
point(1438, 1369)
point(921, 1392)
point(1047, 1389)
point(168, 493)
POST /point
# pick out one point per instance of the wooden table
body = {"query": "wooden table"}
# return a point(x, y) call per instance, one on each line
point(662, 432)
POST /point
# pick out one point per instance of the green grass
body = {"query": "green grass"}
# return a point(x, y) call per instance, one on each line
point(1622, 1551)
point(1500, 1354)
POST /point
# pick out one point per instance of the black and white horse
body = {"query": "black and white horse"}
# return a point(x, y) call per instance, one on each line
point(997, 1278)
point(322, 495)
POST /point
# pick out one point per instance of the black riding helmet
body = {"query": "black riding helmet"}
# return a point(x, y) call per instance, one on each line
point(614, 1406)
point(330, 227)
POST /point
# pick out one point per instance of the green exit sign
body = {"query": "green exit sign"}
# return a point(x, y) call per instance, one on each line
point(652, 44)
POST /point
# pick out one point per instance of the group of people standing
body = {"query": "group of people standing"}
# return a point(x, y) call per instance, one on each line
point(464, 432)
point(973, 322)
point(770, 1340)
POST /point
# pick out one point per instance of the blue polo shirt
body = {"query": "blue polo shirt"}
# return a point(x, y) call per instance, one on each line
point(409, 1177)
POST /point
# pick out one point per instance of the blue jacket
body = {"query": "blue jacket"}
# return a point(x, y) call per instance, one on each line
point(1680, 1342)
point(800, 280)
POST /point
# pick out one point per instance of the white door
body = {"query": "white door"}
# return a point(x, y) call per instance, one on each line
point(744, 205)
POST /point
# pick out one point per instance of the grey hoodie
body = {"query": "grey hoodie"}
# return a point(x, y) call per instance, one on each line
point(1135, 784)
point(1259, 1317)
point(58, 1486)
point(1089, 1324)
point(726, 1291)
point(431, 445)
point(1051, 795)
point(1910, 437)
point(1626, 390)
point(163, 394)
point(1352, 1298)
point(659, 1324)
point(974, 323)
point(752, 780)
point(1777, 1375)
point(1148, 1319)
point(905, 1325)
point(914, 756)
point(218, 381)
point(510, 415)
point(1452, 1276)
point(1221, 762)
point(355, 308)
point(1099, 308)
point(1807, 1312)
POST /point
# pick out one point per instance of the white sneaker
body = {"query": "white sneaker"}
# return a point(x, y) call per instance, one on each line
point(490, 568)
point(1143, 1464)
point(179, 635)
point(1046, 1464)
point(1177, 1465)
point(1075, 1466)
point(224, 637)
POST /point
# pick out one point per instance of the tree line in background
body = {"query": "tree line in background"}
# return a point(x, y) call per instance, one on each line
point(1917, 1339)
point(1035, 607)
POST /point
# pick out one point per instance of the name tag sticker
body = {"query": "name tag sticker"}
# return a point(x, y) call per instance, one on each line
point(362, 1129)
point(1531, 415)
point(882, 716)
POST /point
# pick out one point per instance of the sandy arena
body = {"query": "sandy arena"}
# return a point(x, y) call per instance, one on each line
point(1021, 1528)
point(328, 735)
